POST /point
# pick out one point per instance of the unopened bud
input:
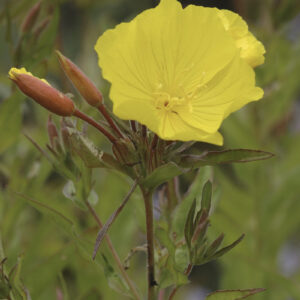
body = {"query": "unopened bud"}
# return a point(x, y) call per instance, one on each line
point(42, 92)
point(53, 136)
point(82, 83)
point(31, 18)
point(65, 134)
point(41, 27)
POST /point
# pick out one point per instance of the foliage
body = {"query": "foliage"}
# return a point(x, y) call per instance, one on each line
point(52, 260)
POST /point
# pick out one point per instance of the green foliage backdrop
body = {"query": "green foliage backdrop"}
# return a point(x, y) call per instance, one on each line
point(259, 199)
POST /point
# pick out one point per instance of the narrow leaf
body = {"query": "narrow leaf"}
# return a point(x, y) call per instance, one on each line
point(194, 192)
point(114, 280)
point(214, 245)
point(233, 294)
point(223, 157)
point(206, 196)
point(16, 278)
point(189, 224)
point(62, 221)
point(162, 174)
point(224, 250)
point(101, 234)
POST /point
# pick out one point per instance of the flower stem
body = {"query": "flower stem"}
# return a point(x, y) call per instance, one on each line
point(133, 125)
point(110, 121)
point(150, 243)
point(114, 253)
point(84, 117)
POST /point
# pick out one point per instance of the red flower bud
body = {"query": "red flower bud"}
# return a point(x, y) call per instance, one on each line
point(43, 93)
point(31, 18)
point(82, 83)
point(41, 27)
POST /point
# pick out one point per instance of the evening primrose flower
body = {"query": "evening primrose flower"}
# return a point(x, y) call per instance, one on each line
point(252, 50)
point(177, 71)
point(42, 92)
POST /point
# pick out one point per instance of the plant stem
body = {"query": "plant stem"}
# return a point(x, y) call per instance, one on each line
point(114, 253)
point(110, 121)
point(133, 125)
point(84, 117)
point(176, 288)
point(150, 243)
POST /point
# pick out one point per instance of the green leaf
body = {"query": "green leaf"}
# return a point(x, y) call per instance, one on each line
point(214, 245)
point(103, 231)
point(114, 280)
point(92, 156)
point(189, 224)
point(165, 240)
point(170, 273)
point(171, 276)
point(63, 222)
point(206, 196)
point(233, 294)
point(17, 284)
point(182, 258)
point(161, 175)
point(10, 121)
point(223, 157)
point(87, 151)
point(194, 192)
point(58, 165)
point(224, 250)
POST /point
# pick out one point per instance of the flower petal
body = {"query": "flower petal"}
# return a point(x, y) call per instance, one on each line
point(252, 50)
point(228, 91)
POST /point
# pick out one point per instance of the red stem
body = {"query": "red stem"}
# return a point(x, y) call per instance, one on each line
point(110, 121)
point(133, 125)
point(92, 122)
point(147, 195)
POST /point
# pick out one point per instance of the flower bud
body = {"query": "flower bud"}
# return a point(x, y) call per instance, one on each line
point(82, 83)
point(53, 136)
point(64, 124)
point(41, 27)
point(42, 92)
point(31, 18)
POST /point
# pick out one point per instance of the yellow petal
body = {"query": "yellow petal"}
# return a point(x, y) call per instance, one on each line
point(229, 90)
point(14, 71)
point(173, 127)
point(252, 50)
point(176, 70)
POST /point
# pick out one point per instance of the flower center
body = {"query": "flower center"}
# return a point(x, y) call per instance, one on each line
point(167, 102)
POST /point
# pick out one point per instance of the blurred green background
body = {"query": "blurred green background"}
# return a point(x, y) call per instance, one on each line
point(260, 199)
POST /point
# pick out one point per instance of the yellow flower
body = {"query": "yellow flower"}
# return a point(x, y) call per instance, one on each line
point(252, 50)
point(177, 71)
point(14, 71)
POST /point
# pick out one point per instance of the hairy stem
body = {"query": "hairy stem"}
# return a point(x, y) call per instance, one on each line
point(114, 253)
point(150, 243)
